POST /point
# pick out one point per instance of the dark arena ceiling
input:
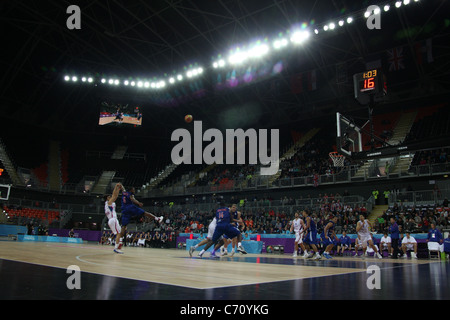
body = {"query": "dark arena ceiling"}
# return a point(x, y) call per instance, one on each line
point(161, 39)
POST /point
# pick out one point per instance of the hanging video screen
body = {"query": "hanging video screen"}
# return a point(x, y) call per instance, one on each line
point(112, 114)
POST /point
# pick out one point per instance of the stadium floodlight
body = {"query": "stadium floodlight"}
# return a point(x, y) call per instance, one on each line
point(221, 63)
point(103, 80)
point(74, 79)
point(179, 77)
point(349, 20)
point(189, 74)
point(126, 82)
point(153, 85)
point(280, 43)
point(83, 79)
point(331, 25)
point(238, 57)
point(341, 23)
point(90, 80)
point(140, 84)
point(67, 78)
point(386, 8)
point(325, 27)
point(116, 82)
point(171, 80)
point(299, 37)
point(398, 4)
point(258, 51)
point(162, 83)
point(215, 65)
point(406, 2)
point(316, 31)
point(377, 11)
point(200, 70)
point(132, 83)
point(111, 81)
point(366, 14)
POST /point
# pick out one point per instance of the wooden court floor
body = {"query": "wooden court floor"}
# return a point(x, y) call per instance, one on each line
point(30, 271)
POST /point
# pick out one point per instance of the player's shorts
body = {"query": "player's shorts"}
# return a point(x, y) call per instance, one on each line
point(364, 239)
point(130, 211)
point(227, 230)
point(327, 242)
point(211, 228)
point(299, 237)
point(311, 238)
point(114, 226)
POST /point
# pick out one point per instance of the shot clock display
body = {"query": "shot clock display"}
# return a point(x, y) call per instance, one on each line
point(371, 82)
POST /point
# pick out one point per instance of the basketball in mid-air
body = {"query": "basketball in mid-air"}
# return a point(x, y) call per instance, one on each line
point(188, 118)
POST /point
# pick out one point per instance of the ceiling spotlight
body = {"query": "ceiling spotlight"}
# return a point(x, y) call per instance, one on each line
point(215, 65)
point(83, 79)
point(341, 23)
point(111, 81)
point(147, 84)
point(171, 80)
point(116, 82)
point(349, 20)
point(386, 8)
point(74, 79)
point(377, 11)
point(332, 26)
point(140, 84)
point(133, 83)
point(406, 2)
point(103, 80)
point(398, 4)
point(200, 70)
point(280, 43)
point(221, 63)
point(300, 36)
point(316, 31)
point(366, 14)
point(67, 78)
point(325, 28)
point(90, 80)
point(126, 82)
point(189, 74)
point(179, 77)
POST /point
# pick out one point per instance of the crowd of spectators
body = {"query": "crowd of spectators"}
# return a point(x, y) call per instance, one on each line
point(415, 219)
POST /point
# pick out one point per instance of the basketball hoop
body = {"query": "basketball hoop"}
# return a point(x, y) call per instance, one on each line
point(338, 159)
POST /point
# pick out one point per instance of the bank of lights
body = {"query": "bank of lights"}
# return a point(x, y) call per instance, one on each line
point(240, 55)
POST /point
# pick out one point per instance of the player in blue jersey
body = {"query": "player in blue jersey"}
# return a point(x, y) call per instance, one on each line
point(311, 237)
point(133, 208)
point(329, 238)
point(224, 226)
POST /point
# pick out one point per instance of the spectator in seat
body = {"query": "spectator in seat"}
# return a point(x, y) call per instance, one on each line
point(434, 239)
point(409, 243)
point(385, 243)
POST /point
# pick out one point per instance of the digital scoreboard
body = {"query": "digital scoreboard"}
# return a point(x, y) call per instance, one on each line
point(369, 83)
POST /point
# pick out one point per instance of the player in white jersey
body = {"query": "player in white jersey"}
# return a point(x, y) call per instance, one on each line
point(208, 241)
point(113, 222)
point(298, 227)
point(363, 228)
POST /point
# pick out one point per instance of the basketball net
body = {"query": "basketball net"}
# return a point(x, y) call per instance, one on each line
point(338, 159)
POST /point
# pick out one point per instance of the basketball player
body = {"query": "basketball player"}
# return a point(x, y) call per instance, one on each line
point(207, 241)
point(113, 223)
point(236, 220)
point(310, 237)
point(224, 226)
point(329, 238)
point(363, 228)
point(130, 209)
point(298, 227)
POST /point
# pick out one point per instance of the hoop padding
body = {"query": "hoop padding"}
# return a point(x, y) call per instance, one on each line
point(338, 159)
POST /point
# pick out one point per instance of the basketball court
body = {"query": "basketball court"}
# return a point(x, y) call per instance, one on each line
point(39, 271)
